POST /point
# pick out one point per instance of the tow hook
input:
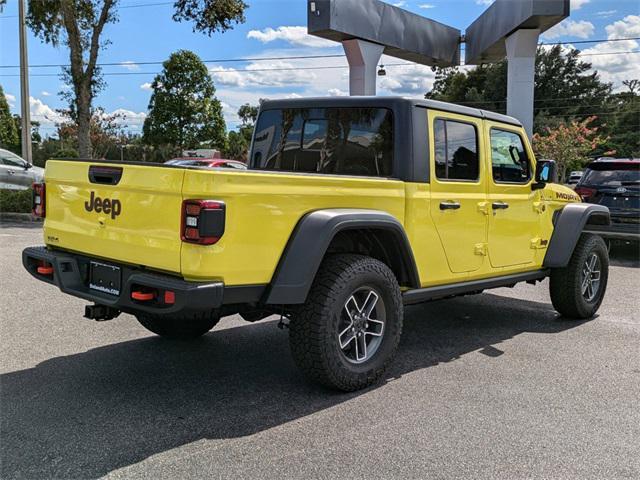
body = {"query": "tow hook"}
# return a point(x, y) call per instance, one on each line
point(100, 313)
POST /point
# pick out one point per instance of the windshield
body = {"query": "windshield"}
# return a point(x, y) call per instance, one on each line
point(614, 175)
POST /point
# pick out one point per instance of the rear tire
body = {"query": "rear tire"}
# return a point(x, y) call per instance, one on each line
point(577, 290)
point(183, 327)
point(346, 334)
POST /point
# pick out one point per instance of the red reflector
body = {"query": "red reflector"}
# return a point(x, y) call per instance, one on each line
point(143, 296)
point(45, 270)
point(191, 233)
point(38, 200)
point(192, 209)
point(169, 297)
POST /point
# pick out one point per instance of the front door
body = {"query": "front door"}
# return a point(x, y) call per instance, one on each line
point(514, 221)
point(458, 188)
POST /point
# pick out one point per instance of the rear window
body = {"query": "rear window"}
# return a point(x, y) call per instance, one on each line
point(342, 141)
point(612, 174)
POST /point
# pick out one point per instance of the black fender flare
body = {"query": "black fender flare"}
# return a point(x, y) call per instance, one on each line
point(568, 226)
point(310, 239)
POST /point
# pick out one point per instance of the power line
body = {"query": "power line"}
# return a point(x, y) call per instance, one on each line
point(219, 60)
point(303, 57)
point(157, 4)
point(251, 70)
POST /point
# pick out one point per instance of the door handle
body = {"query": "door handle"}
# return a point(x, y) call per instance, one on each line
point(499, 205)
point(11, 172)
point(449, 205)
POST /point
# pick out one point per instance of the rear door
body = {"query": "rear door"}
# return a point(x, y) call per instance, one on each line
point(514, 222)
point(127, 213)
point(458, 188)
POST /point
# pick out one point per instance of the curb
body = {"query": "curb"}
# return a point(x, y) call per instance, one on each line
point(19, 218)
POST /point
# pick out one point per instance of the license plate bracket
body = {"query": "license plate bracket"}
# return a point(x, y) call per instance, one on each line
point(105, 278)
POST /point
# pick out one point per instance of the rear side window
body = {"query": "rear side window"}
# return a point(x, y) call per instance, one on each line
point(611, 174)
point(456, 146)
point(509, 160)
point(342, 141)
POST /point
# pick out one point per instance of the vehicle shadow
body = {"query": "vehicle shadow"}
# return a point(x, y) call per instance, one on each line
point(85, 415)
point(625, 254)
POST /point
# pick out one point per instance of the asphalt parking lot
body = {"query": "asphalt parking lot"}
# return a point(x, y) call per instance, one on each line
point(488, 386)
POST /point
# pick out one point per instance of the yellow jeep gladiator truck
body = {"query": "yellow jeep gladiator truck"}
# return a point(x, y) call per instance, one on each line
point(351, 208)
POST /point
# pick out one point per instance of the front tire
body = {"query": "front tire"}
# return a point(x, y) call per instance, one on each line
point(183, 327)
point(578, 289)
point(346, 334)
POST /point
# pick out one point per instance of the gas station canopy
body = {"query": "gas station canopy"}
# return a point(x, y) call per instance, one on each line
point(403, 34)
point(485, 38)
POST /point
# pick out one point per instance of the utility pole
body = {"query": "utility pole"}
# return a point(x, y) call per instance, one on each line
point(24, 87)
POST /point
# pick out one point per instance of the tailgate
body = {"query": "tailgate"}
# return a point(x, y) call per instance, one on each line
point(133, 219)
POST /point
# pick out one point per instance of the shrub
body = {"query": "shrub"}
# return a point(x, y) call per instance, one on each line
point(15, 201)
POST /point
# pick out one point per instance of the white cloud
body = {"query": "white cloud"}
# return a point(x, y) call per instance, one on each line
point(44, 93)
point(293, 35)
point(612, 65)
point(401, 3)
point(132, 120)
point(426, 6)
point(571, 28)
point(11, 99)
point(265, 74)
point(43, 113)
point(410, 80)
point(146, 86)
point(606, 13)
point(577, 4)
point(336, 92)
point(129, 65)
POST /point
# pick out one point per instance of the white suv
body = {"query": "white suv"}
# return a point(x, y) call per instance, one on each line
point(16, 173)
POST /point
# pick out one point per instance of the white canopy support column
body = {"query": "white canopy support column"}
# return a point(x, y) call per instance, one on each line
point(363, 58)
point(521, 59)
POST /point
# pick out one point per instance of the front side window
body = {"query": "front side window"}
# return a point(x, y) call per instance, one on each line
point(12, 160)
point(456, 146)
point(509, 160)
point(341, 141)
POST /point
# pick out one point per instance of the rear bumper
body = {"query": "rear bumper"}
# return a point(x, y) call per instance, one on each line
point(617, 230)
point(71, 276)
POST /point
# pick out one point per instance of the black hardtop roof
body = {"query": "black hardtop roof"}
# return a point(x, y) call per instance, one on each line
point(388, 102)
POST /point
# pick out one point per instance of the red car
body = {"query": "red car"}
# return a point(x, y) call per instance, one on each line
point(207, 162)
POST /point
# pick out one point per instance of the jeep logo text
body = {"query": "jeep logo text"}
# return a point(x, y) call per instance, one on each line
point(104, 205)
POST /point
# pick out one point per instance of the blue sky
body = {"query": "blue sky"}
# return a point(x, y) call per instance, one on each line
point(146, 32)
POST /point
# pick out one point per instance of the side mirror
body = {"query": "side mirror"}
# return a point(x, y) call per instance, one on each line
point(27, 166)
point(546, 172)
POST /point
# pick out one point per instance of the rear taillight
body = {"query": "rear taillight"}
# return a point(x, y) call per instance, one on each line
point(38, 200)
point(202, 221)
point(585, 193)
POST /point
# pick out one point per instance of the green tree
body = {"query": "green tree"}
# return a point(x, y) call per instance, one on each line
point(236, 147)
point(183, 110)
point(565, 87)
point(248, 114)
point(8, 132)
point(570, 145)
point(79, 25)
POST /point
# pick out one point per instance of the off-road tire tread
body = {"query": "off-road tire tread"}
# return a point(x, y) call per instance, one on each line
point(180, 327)
point(308, 327)
point(565, 286)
